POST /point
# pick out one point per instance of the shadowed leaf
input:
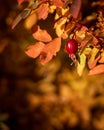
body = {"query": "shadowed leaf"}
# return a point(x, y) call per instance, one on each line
point(16, 21)
point(75, 8)
point(21, 1)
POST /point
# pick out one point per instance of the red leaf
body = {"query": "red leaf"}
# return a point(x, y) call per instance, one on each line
point(21, 1)
point(41, 35)
point(34, 50)
point(50, 50)
point(43, 11)
point(75, 8)
point(57, 3)
point(97, 70)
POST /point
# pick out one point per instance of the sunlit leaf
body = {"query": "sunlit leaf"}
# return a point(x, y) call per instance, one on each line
point(93, 59)
point(45, 51)
point(99, 69)
point(50, 50)
point(34, 50)
point(30, 21)
point(41, 35)
point(58, 26)
point(81, 64)
point(43, 11)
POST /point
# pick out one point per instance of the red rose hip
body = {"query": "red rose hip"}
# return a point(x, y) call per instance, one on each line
point(71, 47)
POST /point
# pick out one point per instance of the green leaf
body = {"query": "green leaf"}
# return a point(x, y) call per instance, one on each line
point(25, 13)
point(81, 64)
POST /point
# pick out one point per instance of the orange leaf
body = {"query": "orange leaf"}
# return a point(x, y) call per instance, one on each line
point(97, 70)
point(50, 50)
point(43, 11)
point(34, 50)
point(41, 35)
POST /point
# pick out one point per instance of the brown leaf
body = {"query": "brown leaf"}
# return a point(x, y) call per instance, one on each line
point(75, 8)
point(41, 35)
point(43, 11)
point(99, 69)
point(50, 50)
point(34, 50)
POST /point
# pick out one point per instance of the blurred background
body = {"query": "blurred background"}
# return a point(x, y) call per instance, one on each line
point(50, 97)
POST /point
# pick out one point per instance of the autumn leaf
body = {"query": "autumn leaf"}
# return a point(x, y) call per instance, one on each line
point(50, 50)
point(34, 50)
point(41, 35)
point(101, 60)
point(16, 21)
point(81, 64)
point(75, 8)
point(21, 1)
point(58, 26)
point(99, 69)
point(24, 14)
point(92, 61)
point(57, 3)
point(43, 11)
point(30, 21)
point(44, 51)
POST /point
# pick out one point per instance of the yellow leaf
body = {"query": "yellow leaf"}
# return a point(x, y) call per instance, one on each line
point(58, 26)
point(81, 64)
point(93, 60)
point(30, 21)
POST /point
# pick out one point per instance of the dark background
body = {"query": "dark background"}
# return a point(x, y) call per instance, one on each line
point(50, 97)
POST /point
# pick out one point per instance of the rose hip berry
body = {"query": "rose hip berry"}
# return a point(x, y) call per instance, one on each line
point(71, 47)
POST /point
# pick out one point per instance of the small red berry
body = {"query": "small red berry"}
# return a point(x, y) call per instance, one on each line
point(71, 46)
